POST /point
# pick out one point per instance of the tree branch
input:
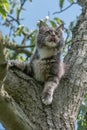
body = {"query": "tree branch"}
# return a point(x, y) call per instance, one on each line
point(3, 64)
point(62, 10)
point(17, 48)
point(11, 115)
point(13, 19)
point(26, 91)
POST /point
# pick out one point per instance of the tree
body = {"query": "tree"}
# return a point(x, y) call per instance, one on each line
point(4, 8)
point(20, 103)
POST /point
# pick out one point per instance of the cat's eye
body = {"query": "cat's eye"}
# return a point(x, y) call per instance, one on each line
point(48, 32)
point(56, 32)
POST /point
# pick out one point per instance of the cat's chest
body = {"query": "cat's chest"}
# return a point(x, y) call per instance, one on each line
point(40, 70)
point(47, 52)
point(44, 68)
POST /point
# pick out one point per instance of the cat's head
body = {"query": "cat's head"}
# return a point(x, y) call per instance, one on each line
point(50, 37)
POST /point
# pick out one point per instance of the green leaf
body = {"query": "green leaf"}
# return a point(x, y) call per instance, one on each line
point(71, 25)
point(19, 30)
point(71, 1)
point(2, 12)
point(6, 7)
point(53, 23)
point(61, 3)
point(30, 0)
point(58, 20)
point(4, 1)
point(17, 11)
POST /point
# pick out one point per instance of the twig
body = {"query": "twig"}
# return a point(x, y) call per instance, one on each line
point(25, 46)
point(14, 19)
point(65, 8)
point(17, 48)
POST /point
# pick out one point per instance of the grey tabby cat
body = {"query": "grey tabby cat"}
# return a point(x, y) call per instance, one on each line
point(45, 64)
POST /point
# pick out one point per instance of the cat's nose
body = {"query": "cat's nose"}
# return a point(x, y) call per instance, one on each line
point(52, 37)
point(53, 34)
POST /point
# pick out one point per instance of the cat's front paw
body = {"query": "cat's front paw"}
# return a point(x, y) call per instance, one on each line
point(47, 98)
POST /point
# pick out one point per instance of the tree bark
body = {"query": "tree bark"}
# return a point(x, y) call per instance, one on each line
point(20, 103)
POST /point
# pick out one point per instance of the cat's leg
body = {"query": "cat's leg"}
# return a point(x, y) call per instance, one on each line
point(49, 88)
point(51, 85)
point(23, 66)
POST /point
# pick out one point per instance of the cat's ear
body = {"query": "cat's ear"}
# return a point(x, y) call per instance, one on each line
point(61, 27)
point(41, 25)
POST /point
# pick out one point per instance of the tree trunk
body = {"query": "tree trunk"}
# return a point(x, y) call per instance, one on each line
point(20, 103)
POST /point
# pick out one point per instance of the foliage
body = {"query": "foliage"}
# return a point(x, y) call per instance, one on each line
point(82, 115)
point(4, 8)
point(27, 37)
point(61, 3)
point(13, 22)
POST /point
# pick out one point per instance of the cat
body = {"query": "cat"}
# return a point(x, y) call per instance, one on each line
point(45, 64)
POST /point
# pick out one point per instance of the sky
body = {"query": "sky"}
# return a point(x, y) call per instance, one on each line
point(39, 9)
point(1, 127)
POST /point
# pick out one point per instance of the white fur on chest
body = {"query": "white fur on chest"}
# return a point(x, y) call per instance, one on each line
point(45, 52)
